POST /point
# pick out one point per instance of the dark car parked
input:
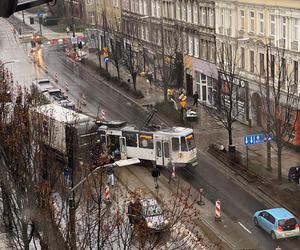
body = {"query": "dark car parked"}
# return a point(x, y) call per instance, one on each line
point(294, 174)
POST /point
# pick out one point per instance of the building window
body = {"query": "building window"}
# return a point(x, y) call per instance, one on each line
point(222, 18)
point(284, 28)
point(252, 16)
point(272, 66)
point(212, 18)
point(157, 9)
point(261, 23)
point(191, 46)
point(183, 11)
point(251, 61)
point(203, 16)
point(242, 58)
point(153, 8)
point(189, 12)
point(178, 10)
point(272, 25)
point(230, 19)
point(296, 29)
point(145, 7)
point(296, 71)
point(262, 63)
point(242, 13)
point(196, 46)
point(195, 19)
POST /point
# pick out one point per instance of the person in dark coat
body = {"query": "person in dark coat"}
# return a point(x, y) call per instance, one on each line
point(130, 212)
point(195, 97)
point(155, 175)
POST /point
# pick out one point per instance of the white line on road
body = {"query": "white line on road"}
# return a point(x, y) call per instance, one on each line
point(245, 228)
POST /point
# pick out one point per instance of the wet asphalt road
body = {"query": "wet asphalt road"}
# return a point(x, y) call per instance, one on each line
point(238, 204)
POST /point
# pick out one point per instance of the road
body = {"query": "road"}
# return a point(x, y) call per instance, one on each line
point(237, 203)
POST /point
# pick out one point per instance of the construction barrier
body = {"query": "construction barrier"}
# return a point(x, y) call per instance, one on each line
point(83, 100)
point(218, 211)
point(66, 86)
point(46, 69)
point(106, 194)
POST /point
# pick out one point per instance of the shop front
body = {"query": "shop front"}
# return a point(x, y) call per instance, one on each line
point(238, 96)
point(205, 81)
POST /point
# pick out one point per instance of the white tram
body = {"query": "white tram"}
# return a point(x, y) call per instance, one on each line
point(162, 146)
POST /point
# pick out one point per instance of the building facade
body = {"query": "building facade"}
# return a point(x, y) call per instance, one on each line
point(194, 21)
point(258, 29)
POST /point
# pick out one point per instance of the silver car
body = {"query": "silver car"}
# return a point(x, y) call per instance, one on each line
point(153, 216)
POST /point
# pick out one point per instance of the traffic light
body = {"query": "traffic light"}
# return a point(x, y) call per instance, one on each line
point(105, 54)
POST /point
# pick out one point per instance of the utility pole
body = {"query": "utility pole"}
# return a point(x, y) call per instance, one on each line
point(269, 166)
point(73, 24)
point(71, 143)
point(97, 34)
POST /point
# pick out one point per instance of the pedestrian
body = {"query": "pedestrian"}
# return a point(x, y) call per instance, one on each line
point(68, 30)
point(130, 212)
point(110, 174)
point(155, 175)
point(196, 97)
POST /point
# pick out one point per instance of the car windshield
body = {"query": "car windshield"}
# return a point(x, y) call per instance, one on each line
point(287, 223)
point(152, 210)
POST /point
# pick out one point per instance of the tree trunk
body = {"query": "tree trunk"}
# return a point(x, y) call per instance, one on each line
point(279, 153)
point(134, 81)
point(118, 71)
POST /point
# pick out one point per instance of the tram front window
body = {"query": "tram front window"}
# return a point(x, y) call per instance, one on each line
point(188, 143)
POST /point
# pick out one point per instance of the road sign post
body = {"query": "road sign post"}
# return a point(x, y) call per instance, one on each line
point(255, 139)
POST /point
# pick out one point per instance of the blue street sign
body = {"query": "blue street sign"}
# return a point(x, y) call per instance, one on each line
point(105, 59)
point(257, 139)
point(40, 14)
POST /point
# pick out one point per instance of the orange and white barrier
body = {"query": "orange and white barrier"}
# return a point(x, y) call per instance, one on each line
point(46, 69)
point(106, 194)
point(218, 210)
point(173, 172)
point(83, 100)
point(66, 86)
point(55, 77)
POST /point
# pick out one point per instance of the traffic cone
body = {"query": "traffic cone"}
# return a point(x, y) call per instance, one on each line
point(55, 78)
point(106, 194)
point(218, 211)
point(66, 86)
point(46, 69)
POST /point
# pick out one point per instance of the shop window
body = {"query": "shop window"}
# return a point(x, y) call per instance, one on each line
point(131, 139)
point(146, 140)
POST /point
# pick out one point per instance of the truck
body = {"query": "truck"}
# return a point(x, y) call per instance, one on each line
point(52, 119)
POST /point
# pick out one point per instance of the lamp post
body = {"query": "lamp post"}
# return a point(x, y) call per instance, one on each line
point(73, 24)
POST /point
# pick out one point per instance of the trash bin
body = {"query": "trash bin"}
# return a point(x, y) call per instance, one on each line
point(294, 174)
point(31, 20)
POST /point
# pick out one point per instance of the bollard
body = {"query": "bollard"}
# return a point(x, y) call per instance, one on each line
point(46, 69)
point(55, 77)
point(173, 172)
point(218, 211)
point(83, 100)
point(106, 194)
point(200, 201)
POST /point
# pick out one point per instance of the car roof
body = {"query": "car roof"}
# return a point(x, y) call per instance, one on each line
point(42, 80)
point(149, 202)
point(280, 213)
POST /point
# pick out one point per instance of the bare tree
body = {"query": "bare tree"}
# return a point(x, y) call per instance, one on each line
point(169, 62)
point(280, 100)
point(133, 52)
point(227, 111)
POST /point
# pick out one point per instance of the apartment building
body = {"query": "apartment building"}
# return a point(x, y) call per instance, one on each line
point(256, 28)
point(193, 21)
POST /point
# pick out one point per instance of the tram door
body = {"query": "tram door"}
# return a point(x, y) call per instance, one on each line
point(123, 152)
point(162, 153)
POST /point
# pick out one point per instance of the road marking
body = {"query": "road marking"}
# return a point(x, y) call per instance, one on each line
point(245, 228)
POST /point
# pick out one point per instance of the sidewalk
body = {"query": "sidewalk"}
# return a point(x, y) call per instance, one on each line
point(226, 232)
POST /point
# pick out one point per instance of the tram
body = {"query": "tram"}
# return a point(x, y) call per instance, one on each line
point(164, 147)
